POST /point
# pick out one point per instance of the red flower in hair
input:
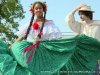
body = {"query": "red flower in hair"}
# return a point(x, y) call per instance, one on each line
point(35, 26)
point(44, 8)
point(31, 10)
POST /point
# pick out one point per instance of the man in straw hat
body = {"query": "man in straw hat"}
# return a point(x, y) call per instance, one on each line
point(88, 26)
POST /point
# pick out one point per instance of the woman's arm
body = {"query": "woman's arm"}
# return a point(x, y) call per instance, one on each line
point(18, 39)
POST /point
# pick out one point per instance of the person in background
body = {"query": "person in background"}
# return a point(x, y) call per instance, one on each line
point(87, 26)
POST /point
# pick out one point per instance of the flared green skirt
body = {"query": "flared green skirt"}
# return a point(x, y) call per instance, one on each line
point(67, 56)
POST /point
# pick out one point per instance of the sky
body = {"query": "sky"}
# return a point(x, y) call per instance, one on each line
point(57, 10)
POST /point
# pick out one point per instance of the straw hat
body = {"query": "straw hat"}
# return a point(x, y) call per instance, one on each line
point(86, 8)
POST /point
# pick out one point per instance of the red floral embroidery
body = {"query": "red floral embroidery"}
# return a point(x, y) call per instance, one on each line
point(35, 26)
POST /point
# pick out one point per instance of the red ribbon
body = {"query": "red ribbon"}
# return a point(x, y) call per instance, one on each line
point(40, 34)
point(25, 33)
point(28, 49)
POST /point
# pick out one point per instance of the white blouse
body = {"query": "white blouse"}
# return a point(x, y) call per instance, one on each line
point(50, 31)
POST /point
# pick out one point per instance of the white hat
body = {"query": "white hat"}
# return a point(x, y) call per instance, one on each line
point(86, 8)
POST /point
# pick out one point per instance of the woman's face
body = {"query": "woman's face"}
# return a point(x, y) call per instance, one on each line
point(38, 10)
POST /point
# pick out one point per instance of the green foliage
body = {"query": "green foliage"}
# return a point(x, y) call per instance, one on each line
point(11, 12)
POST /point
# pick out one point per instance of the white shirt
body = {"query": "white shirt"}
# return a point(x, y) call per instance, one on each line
point(50, 31)
point(92, 30)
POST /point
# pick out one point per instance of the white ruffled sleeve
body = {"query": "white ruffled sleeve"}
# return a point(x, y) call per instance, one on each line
point(51, 31)
point(22, 30)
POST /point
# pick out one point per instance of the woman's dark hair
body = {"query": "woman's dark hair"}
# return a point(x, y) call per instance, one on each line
point(32, 18)
point(87, 13)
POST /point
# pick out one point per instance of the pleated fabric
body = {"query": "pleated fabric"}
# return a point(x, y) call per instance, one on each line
point(67, 56)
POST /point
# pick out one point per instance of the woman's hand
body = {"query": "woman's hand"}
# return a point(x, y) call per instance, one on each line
point(10, 46)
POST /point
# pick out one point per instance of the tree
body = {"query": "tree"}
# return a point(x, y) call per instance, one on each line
point(11, 11)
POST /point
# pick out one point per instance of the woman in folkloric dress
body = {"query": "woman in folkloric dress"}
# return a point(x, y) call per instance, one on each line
point(44, 52)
